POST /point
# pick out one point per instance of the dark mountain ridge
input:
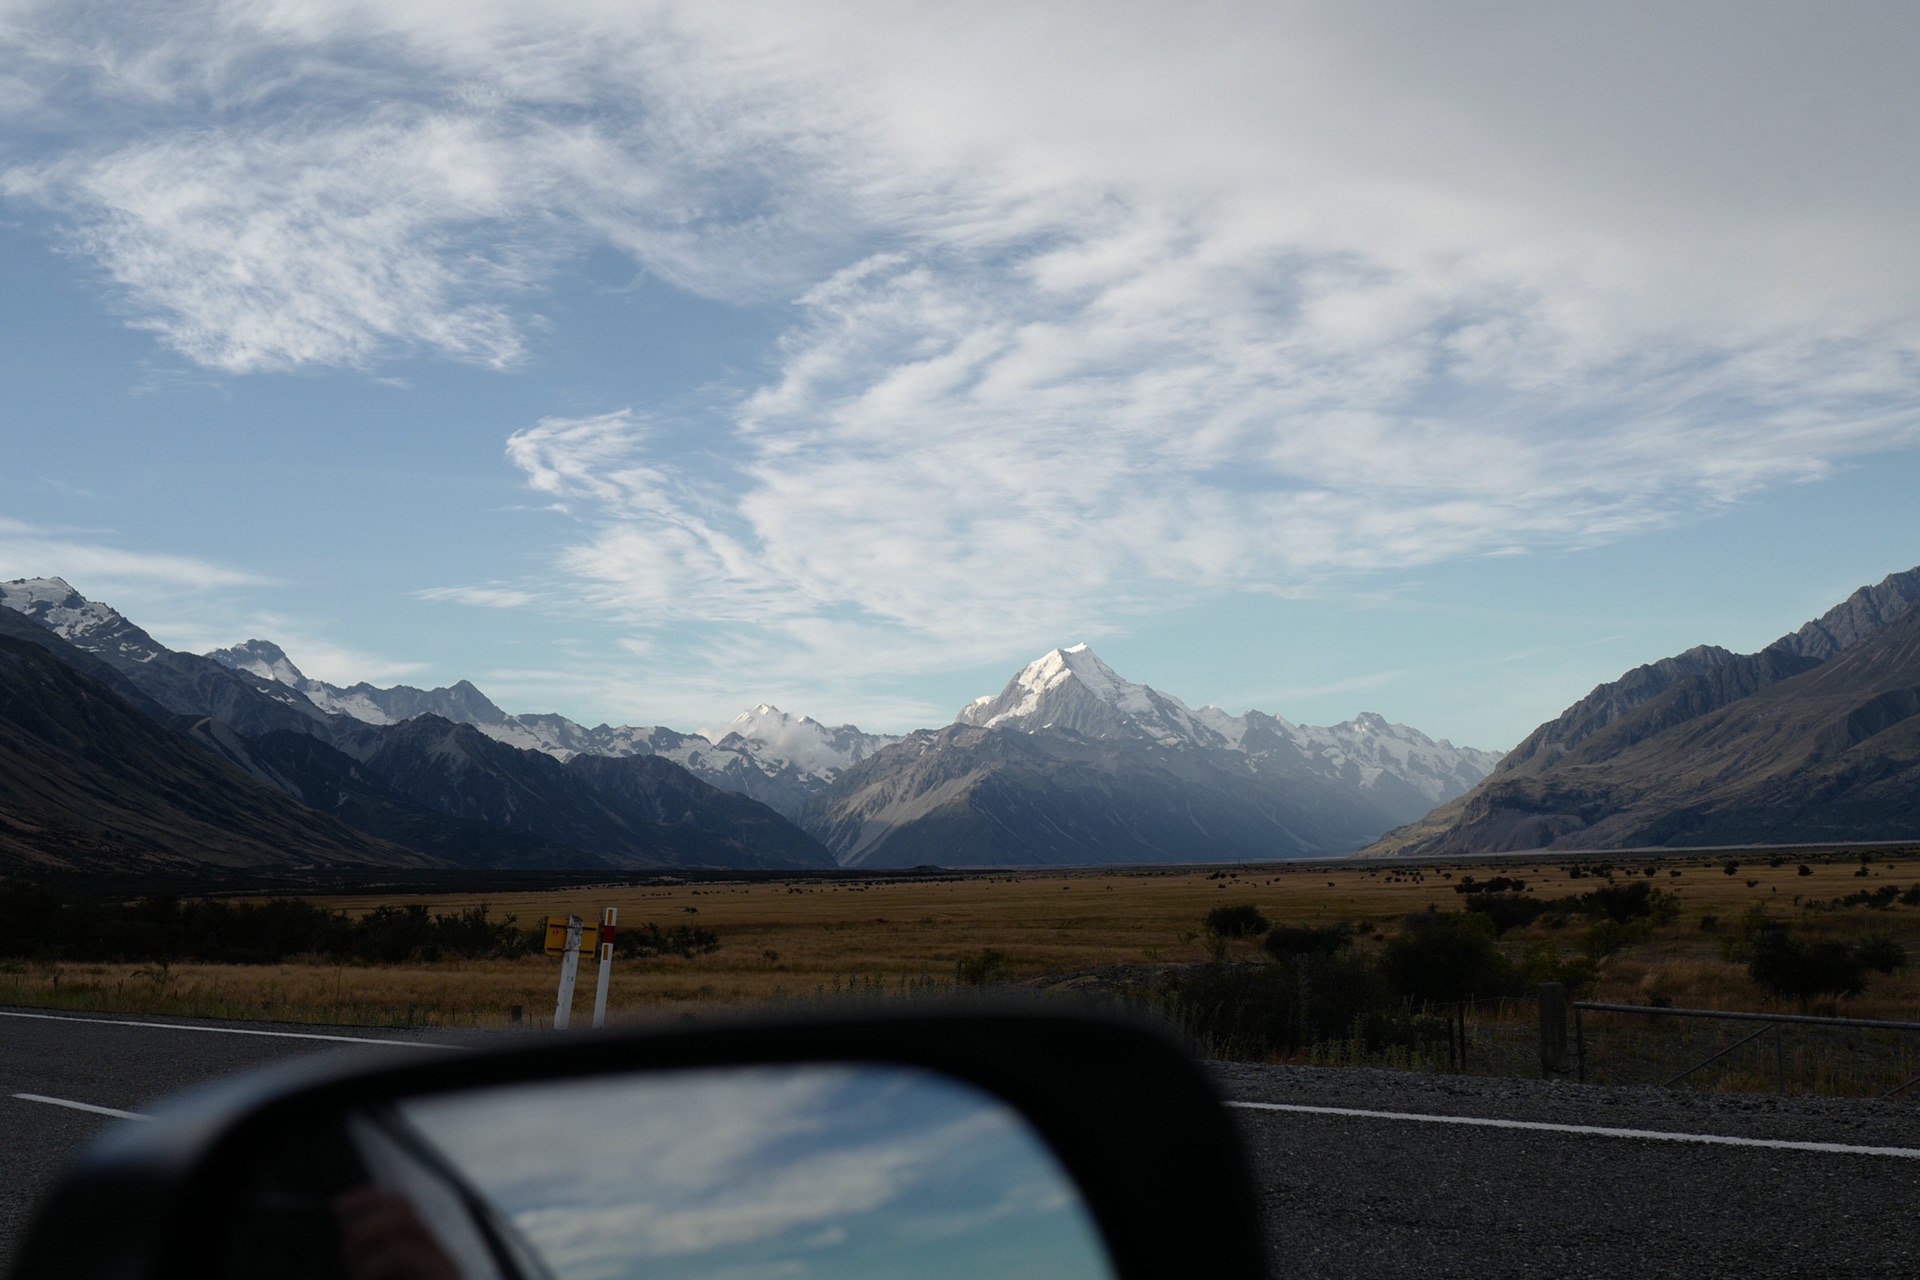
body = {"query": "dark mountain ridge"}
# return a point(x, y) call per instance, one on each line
point(969, 796)
point(438, 789)
point(89, 781)
point(1805, 740)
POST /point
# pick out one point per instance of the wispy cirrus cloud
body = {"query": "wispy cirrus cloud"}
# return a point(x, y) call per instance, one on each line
point(28, 551)
point(488, 595)
point(1094, 312)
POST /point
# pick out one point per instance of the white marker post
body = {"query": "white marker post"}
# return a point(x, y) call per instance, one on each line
point(607, 920)
point(569, 967)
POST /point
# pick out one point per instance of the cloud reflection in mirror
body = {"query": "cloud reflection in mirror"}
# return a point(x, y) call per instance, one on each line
point(763, 1172)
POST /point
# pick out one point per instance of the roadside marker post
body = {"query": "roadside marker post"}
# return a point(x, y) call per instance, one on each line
point(607, 921)
point(569, 968)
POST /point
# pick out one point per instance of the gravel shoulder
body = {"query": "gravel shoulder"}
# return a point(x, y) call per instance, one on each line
point(1867, 1122)
point(1346, 1196)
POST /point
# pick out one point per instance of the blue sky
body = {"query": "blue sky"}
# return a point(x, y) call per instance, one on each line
point(644, 362)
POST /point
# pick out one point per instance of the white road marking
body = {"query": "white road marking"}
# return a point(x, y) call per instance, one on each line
point(230, 1031)
point(1658, 1135)
point(81, 1106)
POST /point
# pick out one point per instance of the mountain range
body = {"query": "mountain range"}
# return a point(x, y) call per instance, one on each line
point(778, 759)
point(1071, 764)
point(421, 791)
point(1814, 738)
point(1068, 764)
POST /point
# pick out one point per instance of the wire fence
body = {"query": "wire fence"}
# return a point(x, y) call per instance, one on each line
point(1548, 1035)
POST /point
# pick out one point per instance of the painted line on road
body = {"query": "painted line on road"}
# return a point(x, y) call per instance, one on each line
point(81, 1106)
point(230, 1031)
point(1658, 1135)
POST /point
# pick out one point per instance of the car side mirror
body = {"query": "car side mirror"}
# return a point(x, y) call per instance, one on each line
point(932, 1144)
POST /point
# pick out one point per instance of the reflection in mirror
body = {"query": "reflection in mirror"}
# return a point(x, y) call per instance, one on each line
point(743, 1173)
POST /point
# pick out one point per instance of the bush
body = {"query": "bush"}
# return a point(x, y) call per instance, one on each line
point(1260, 1011)
point(1611, 936)
point(1541, 962)
point(1785, 966)
point(162, 928)
point(1445, 956)
point(1510, 910)
point(1883, 955)
point(1241, 920)
point(982, 970)
point(1636, 901)
point(636, 942)
point(1286, 941)
point(1499, 884)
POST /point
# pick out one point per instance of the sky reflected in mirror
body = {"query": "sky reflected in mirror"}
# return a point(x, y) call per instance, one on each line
point(769, 1172)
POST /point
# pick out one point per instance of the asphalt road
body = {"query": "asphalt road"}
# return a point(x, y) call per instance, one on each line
point(1344, 1195)
point(1361, 1196)
point(124, 1063)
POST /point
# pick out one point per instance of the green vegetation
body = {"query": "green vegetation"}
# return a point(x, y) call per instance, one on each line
point(165, 929)
point(1243, 920)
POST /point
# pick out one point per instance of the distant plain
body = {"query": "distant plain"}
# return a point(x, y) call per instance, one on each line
point(806, 938)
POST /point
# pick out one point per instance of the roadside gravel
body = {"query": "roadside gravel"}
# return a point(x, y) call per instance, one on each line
point(1353, 1196)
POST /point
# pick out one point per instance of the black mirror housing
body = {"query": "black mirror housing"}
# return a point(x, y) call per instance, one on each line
point(1129, 1116)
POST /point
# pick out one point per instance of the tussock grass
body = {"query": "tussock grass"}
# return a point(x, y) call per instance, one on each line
point(889, 937)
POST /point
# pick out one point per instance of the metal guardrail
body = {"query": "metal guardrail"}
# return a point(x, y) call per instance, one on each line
point(1554, 1055)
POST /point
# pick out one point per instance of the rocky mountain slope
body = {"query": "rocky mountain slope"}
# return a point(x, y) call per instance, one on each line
point(437, 788)
point(89, 782)
point(775, 758)
point(1071, 764)
point(1806, 740)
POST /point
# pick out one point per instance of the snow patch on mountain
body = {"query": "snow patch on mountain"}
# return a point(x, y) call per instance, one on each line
point(1073, 689)
point(766, 753)
point(777, 739)
point(83, 623)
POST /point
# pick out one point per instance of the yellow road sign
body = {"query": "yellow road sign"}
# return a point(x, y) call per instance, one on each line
point(557, 937)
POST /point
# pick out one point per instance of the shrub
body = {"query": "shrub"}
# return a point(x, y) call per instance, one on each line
point(1785, 966)
point(1509, 910)
point(1499, 884)
point(1611, 936)
point(1261, 1011)
point(635, 942)
point(982, 970)
point(1883, 955)
point(1285, 941)
point(1241, 920)
point(1541, 962)
point(1636, 901)
point(1443, 956)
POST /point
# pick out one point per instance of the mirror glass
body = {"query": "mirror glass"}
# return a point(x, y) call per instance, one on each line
point(742, 1173)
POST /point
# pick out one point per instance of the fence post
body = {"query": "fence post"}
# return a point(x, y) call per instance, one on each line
point(1553, 1030)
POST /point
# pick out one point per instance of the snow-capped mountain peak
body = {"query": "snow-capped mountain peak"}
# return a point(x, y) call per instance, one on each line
point(83, 623)
point(262, 658)
point(1072, 689)
point(775, 740)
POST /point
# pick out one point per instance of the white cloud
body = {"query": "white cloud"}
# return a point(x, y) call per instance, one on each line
point(32, 551)
point(1099, 310)
point(489, 595)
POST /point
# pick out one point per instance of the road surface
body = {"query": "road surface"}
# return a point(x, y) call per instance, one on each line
point(1355, 1175)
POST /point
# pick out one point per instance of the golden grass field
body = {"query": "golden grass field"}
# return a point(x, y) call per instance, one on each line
point(806, 938)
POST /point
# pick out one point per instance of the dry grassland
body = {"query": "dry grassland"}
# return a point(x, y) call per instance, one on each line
point(806, 938)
